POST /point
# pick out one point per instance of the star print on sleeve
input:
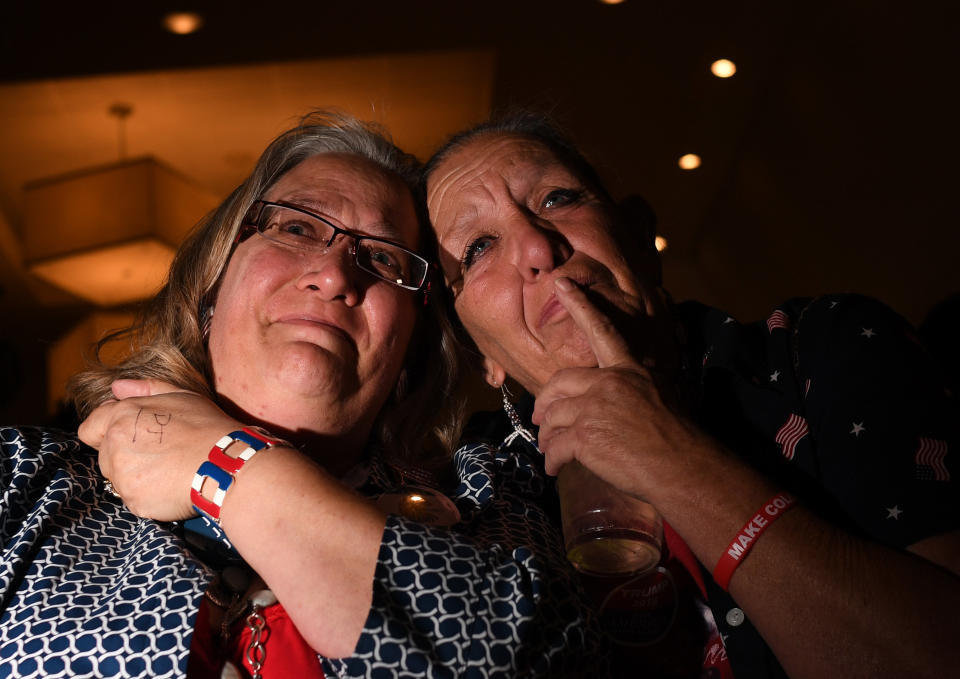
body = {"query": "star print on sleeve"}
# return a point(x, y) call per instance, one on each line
point(775, 376)
point(874, 392)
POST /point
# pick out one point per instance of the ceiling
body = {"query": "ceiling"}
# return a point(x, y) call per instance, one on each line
point(827, 159)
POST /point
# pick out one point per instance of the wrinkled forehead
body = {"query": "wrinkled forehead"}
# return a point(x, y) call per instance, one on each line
point(353, 192)
point(503, 150)
point(474, 170)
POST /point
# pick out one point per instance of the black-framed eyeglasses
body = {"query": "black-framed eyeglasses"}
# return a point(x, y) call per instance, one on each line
point(301, 229)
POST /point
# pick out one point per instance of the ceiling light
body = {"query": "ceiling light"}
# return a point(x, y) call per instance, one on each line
point(611, 2)
point(660, 243)
point(723, 68)
point(183, 23)
point(689, 161)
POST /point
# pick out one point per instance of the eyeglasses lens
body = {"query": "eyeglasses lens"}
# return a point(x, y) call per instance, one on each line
point(297, 229)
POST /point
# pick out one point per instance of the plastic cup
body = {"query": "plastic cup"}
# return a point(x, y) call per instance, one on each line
point(605, 531)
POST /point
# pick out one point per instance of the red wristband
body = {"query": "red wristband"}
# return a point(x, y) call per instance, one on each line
point(744, 540)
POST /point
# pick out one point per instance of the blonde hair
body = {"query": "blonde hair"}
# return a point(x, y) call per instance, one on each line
point(168, 343)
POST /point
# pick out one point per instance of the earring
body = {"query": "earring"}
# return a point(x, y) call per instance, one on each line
point(516, 422)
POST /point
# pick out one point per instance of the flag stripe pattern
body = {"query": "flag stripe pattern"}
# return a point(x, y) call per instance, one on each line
point(929, 460)
point(789, 435)
point(778, 319)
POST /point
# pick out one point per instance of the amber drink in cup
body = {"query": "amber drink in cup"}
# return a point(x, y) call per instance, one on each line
point(606, 531)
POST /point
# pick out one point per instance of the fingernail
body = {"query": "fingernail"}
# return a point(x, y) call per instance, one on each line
point(564, 284)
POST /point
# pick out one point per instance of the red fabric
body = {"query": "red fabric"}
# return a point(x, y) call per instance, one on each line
point(204, 660)
point(287, 653)
point(679, 550)
point(716, 664)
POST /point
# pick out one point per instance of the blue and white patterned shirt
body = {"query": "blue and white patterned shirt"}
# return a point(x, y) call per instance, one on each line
point(90, 589)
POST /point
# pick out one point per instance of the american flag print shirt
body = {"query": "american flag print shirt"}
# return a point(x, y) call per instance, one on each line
point(835, 399)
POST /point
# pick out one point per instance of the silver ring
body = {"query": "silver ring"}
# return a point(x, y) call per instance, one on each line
point(108, 487)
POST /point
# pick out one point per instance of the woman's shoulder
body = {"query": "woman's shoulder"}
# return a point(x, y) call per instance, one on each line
point(25, 450)
point(492, 446)
point(39, 464)
point(101, 572)
point(787, 315)
point(799, 327)
point(37, 437)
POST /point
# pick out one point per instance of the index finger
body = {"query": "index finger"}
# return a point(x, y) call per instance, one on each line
point(608, 345)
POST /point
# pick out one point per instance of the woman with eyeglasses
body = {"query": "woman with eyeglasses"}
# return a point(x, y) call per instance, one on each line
point(805, 467)
point(267, 488)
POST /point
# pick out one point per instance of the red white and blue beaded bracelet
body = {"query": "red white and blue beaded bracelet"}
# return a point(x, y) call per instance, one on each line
point(222, 468)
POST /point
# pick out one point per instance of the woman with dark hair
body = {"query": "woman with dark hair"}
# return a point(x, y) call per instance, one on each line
point(322, 543)
point(804, 466)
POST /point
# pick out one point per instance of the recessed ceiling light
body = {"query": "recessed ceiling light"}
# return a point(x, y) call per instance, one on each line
point(183, 23)
point(723, 68)
point(660, 243)
point(611, 2)
point(689, 161)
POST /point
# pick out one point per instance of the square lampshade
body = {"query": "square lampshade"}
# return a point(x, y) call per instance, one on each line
point(107, 234)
